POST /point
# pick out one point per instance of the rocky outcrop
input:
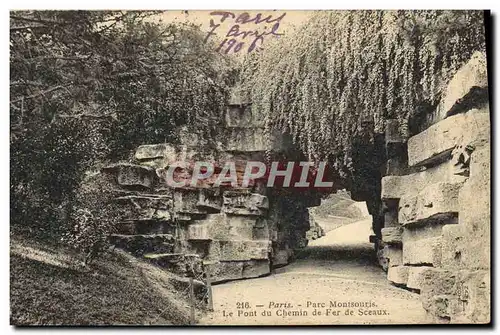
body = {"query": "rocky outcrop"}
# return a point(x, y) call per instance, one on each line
point(315, 231)
point(437, 206)
point(228, 231)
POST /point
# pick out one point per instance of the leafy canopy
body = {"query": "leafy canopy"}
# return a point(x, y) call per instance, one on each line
point(90, 86)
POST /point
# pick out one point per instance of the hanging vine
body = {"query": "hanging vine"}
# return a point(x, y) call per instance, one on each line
point(342, 67)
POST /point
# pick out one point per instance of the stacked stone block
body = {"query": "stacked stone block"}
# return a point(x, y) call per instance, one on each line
point(230, 232)
point(443, 212)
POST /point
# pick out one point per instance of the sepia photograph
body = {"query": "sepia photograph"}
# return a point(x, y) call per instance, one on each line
point(250, 167)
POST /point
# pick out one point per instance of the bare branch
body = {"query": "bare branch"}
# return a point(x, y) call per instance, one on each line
point(27, 27)
point(74, 58)
point(42, 93)
point(25, 82)
point(20, 18)
point(98, 116)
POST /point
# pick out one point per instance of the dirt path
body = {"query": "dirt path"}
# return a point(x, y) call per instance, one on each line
point(334, 281)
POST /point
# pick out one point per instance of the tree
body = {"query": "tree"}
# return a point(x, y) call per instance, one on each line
point(89, 86)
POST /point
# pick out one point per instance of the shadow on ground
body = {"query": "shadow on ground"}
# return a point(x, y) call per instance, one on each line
point(363, 254)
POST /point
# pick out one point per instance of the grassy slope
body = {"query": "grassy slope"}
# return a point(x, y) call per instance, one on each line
point(335, 211)
point(337, 205)
point(48, 288)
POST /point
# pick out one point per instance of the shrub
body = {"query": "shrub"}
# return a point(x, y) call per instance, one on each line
point(89, 86)
point(93, 217)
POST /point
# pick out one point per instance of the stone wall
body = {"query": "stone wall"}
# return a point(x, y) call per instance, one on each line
point(431, 222)
point(230, 232)
point(436, 195)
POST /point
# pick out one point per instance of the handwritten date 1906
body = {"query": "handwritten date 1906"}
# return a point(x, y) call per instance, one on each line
point(246, 30)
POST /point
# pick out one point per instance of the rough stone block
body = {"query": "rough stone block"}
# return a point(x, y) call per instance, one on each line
point(261, 230)
point(425, 251)
point(436, 143)
point(282, 257)
point(394, 254)
point(440, 306)
point(477, 132)
point(415, 276)
point(240, 139)
point(398, 275)
point(413, 233)
point(473, 73)
point(391, 208)
point(183, 217)
point(461, 296)
point(453, 246)
point(222, 227)
point(209, 201)
point(146, 207)
point(476, 252)
point(241, 227)
point(396, 167)
point(244, 203)
point(223, 271)
point(214, 226)
point(435, 202)
point(132, 175)
point(392, 235)
point(152, 151)
point(199, 232)
point(473, 297)
point(437, 290)
point(475, 212)
point(312, 234)
point(162, 214)
point(255, 268)
point(474, 198)
point(395, 187)
point(186, 201)
point(437, 281)
point(239, 250)
point(480, 163)
point(392, 187)
point(382, 260)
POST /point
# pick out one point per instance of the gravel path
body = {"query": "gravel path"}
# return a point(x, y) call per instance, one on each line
point(334, 281)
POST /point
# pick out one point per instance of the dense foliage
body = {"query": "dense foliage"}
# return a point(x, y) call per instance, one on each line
point(343, 68)
point(94, 215)
point(88, 86)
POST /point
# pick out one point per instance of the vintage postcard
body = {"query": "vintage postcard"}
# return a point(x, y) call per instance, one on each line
point(273, 167)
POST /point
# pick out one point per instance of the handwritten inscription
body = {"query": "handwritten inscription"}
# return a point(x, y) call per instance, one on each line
point(246, 32)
